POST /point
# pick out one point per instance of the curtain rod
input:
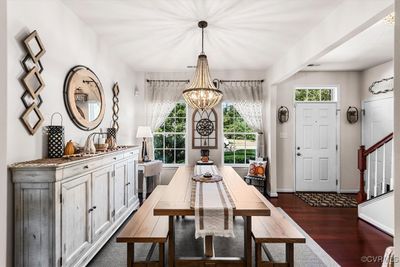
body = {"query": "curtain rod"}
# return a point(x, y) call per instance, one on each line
point(236, 81)
point(175, 81)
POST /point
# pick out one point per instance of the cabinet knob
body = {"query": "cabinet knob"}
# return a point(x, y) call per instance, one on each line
point(86, 167)
point(115, 158)
point(90, 210)
point(94, 207)
point(128, 183)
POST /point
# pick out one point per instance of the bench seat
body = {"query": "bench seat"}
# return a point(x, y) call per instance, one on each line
point(274, 229)
point(144, 227)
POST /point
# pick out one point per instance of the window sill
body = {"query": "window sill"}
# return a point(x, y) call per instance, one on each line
point(237, 165)
point(172, 166)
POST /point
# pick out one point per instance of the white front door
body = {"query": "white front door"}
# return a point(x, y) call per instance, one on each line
point(316, 147)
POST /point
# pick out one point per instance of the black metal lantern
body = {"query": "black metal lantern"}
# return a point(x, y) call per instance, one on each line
point(55, 144)
point(283, 114)
point(352, 115)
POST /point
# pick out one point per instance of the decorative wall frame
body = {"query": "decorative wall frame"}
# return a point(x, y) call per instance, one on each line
point(204, 129)
point(33, 83)
point(115, 106)
point(383, 86)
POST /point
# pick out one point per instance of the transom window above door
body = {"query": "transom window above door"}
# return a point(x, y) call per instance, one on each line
point(240, 141)
point(169, 139)
point(315, 94)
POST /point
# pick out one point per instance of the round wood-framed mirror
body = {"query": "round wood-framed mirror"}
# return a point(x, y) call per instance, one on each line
point(84, 98)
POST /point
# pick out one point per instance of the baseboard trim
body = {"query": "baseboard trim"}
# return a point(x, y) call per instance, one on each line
point(376, 224)
point(285, 190)
point(349, 191)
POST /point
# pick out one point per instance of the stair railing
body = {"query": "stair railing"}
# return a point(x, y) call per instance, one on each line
point(369, 181)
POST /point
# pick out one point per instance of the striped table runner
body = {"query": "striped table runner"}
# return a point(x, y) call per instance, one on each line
point(213, 206)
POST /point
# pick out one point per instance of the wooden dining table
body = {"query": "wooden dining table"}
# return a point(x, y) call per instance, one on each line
point(176, 201)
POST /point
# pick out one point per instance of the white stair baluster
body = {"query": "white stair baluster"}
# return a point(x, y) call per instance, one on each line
point(392, 167)
point(384, 170)
point(368, 176)
point(376, 174)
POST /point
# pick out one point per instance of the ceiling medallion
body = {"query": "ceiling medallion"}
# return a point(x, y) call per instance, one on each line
point(201, 92)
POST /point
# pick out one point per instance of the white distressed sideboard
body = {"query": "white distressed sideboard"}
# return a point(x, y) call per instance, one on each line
point(67, 209)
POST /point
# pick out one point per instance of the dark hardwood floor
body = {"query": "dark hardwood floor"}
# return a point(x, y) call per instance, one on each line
point(337, 230)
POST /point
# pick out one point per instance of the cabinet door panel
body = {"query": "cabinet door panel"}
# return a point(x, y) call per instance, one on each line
point(76, 218)
point(132, 178)
point(101, 201)
point(120, 180)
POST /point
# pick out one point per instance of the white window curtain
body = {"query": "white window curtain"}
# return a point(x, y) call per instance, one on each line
point(246, 97)
point(161, 99)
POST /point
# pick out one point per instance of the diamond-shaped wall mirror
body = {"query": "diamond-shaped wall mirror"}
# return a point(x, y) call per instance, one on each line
point(34, 46)
point(33, 82)
point(32, 119)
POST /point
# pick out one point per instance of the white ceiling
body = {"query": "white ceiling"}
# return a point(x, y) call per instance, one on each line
point(161, 35)
point(369, 48)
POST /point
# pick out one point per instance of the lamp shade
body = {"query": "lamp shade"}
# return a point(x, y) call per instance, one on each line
point(143, 132)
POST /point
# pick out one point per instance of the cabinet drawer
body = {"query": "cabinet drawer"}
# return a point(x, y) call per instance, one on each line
point(113, 158)
point(81, 168)
point(131, 154)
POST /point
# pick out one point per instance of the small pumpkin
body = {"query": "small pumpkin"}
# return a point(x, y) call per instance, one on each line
point(69, 148)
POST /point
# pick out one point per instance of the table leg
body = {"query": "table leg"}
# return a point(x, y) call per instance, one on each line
point(171, 242)
point(130, 254)
point(247, 240)
point(208, 246)
point(144, 190)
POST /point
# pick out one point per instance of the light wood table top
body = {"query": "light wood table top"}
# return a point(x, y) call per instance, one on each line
point(176, 198)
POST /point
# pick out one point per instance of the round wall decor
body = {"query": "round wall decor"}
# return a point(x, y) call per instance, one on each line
point(205, 127)
point(84, 98)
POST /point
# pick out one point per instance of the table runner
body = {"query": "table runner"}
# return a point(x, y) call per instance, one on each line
point(213, 206)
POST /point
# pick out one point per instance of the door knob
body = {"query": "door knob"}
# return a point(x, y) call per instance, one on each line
point(298, 154)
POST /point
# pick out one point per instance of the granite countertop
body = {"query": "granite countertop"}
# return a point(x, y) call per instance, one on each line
point(59, 162)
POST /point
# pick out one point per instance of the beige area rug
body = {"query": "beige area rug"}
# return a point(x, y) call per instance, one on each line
point(309, 254)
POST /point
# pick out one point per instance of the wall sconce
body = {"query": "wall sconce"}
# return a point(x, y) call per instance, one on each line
point(352, 115)
point(283, 114)
point(136, 91)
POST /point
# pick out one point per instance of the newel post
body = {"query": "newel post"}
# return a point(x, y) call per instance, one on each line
point(361, 195)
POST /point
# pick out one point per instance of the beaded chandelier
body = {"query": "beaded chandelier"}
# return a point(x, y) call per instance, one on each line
point(201, 92)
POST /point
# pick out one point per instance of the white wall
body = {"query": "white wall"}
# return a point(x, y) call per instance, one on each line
point(373, 74)
point(348, 84)
point(193, 154)
point(68, 42)
point(4, 250)
point(397, 134)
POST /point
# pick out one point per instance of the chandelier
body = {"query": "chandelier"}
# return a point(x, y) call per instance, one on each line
point(201, 92)
point(390, 19)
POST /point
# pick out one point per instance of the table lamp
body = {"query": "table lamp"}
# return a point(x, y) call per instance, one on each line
point(144, 132)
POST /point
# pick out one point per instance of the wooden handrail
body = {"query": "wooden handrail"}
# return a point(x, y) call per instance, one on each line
point(362, 164)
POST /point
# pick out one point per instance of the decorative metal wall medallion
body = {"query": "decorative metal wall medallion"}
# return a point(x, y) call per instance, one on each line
point(115, 106)
point(204, 129)
point(382, 86)
point(33, 83)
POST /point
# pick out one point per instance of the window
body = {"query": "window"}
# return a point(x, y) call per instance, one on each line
point(169, 139)
point(315, 94)
point(240, 141)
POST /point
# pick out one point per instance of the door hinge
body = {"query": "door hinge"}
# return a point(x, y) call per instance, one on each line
point(113, 213)
point(113, 173)
point(337, 182)
point(363, 112)
point(337, 147)
point(60, 261)
point(61, 200)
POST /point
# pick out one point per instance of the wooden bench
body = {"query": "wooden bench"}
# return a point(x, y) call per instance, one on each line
point(144, 227)
point(274, 229)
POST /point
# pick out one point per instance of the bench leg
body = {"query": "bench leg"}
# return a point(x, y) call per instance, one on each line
point(258, 255)
point(161, 255)
point(130, 254)
point(290, 254)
